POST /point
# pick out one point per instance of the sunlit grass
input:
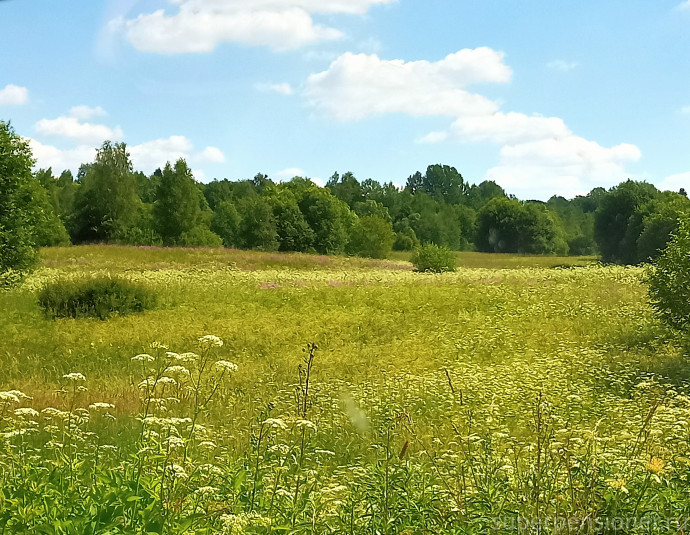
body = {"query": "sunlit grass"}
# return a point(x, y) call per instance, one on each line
point(510, 387)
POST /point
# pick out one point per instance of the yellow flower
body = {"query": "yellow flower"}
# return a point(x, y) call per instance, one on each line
point(655, 465)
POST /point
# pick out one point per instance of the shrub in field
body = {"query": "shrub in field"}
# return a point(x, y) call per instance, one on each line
point(669, 281)
point(200, 236)
point(434, 258)
point(95, 298)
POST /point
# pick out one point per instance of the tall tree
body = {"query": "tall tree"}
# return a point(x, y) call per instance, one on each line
point(177, 208)
point(106, 203)
point(18, 212)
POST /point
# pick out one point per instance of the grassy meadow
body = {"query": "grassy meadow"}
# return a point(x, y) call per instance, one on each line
point(343, 395)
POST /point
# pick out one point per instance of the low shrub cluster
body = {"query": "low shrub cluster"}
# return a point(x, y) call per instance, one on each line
point(94, 298)
point(434, 258)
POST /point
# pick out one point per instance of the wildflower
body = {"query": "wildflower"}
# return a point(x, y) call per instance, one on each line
point(206, 490)
point(210, 340)
point(655, 465)
point(275, 423)
point(173, 356)
point(174, 443)
point(158, 345)
point(306, 424)
point(189, 357)
point(167, 381)
point(19, 394)
point(225, 366)
point(207, 445)
point(143, 357)
point(26, 412)
point(175, 471)
point(178, 370)
point(74, 377)
point(100, 406)
point(8, 397)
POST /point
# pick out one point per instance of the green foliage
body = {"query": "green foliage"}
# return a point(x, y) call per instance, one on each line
point(293, 231)
point(106, 203)
point(257, 228)
point(19, 214)
point(177, 209)
point(200, 236)
point(618, 221)
point(669, 280)
point(371, 237)
point(434, 258)
point(329, 218)
point(226, 223)
point(509, 226)
point(94, 298)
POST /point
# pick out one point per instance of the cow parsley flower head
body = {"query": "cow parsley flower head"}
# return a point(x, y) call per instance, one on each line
point(275, 423)
point(100, 406)
point(74, 377)
point(210, 340)
point(144, 357)
point(225, 366)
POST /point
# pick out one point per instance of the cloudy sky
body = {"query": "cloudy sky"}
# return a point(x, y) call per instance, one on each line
point(542, 97)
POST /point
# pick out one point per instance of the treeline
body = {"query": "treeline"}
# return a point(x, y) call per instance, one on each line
point(109, 202)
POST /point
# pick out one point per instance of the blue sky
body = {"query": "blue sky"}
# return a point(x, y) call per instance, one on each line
point(543, 97)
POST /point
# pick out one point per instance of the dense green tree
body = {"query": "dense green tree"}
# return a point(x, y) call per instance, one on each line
point(509, 226)
point(18, 212)
point(405, 237)
point(660, 221)
point(329, 218)
point(226, 223)
point(106, 204)
point(257, 229)
point(178, 206)
point(346, 188)
point(618, 221)
point(480, 194)
point(372, 237)
point(293, 231)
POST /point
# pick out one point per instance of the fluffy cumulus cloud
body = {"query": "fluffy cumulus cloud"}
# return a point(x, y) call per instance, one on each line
point(72, 127)
point(538, 155)
point(356, 86)
point(675, 182)
point(145, 156)
point(13, 95)
point(201, 25)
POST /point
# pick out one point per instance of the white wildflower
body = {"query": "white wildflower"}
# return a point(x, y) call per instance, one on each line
point(306, 424)
point(100, 406)
point(275, 423)
point(144, 357)
point(26, 412)
point(210, 341)
point(74, 377)
point(225, 366)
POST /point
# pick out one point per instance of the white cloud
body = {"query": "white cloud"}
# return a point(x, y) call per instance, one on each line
point(71, 127)
point(49, 156)
point(684, 6)
point(213, 154)
point(675, 182)
point(84, 113)
point(201, 25)
point(562, 65)
point(685, 109)
point(281, 89)
point(152, 154)
point(13, 95)
point(356, 86)
point(287, 174)
point(318, 181)
point(539, 156)
point(567, 166)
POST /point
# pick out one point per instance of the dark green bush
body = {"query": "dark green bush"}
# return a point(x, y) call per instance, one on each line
point(433, 258)
point(94, 298)
point(669, 281)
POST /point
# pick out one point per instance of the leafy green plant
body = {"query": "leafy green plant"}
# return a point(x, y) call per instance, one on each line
point(434, 258)
point(96, 298)
point(669, 281)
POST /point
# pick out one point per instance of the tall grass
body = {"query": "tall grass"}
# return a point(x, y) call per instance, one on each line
point(344, 397)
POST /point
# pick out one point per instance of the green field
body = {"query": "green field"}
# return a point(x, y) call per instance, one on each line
point(516, 388)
